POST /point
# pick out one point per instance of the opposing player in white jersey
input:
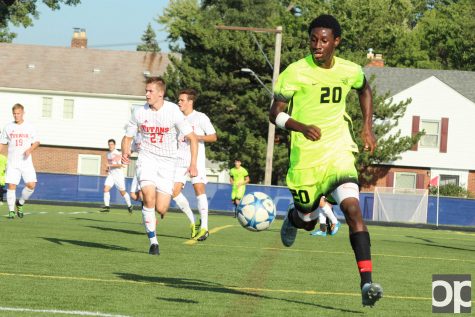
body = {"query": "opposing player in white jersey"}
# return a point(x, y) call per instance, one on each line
point(115, 177)
point(205, 132)
point(22, 139)
point(158, 121)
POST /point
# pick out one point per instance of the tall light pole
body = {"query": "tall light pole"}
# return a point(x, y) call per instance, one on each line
point(250, 71)
point(277, 50)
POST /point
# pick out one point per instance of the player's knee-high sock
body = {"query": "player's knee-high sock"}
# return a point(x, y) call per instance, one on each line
point(203, 209)
point(25, 195)
point(328, 212)
point(184, 206)
point(150, 223)
point(127, 199)
point(361, 244)
point(107, 198)
point(11, 197)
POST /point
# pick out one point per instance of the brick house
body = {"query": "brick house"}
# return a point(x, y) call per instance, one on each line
point(76, 97)
point(443, 104)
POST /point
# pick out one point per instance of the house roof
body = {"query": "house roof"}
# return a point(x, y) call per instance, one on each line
point(81, 70)
point(395, 80)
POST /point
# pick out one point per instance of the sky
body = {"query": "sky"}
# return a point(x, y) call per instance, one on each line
point(109, 24)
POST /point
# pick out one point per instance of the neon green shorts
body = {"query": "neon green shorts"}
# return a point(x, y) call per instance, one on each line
point(238, 192)
point(309, 185)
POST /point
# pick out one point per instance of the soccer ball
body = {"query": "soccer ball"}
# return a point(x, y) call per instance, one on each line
point(256, 212)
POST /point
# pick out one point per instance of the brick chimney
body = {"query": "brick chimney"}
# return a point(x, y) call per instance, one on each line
point(375, 60)
point(79, 39)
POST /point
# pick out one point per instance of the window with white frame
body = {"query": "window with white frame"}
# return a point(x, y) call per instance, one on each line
point(432, 133)
point(68, 109)
point(47, 108)
point(449, 179)
point(89, 164)
point(405, 180)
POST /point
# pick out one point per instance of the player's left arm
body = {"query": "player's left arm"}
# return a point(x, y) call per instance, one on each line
point(194, 153)
point(366, 104)
point(210, 132)
point(33, 146)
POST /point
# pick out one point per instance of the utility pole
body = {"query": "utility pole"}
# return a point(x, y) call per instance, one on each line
point(278, 46)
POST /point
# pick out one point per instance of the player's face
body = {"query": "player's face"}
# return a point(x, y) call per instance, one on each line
point(111, 146)
point(322, 46)
point(186, 105)
point(154, 95)
point(237, 164)
point(18, 115)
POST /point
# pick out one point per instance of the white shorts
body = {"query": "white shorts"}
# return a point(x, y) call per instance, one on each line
point(115, 179)
point(135, 186)
point(159, 172)
point(181, 176)
point(26, 171)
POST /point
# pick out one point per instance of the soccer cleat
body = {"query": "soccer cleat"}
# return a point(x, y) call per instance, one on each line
point(371, 293)
point(194, 230)
point(19, 209)
point(288, 233)
point(130, 209)
point(154, 250)
point(11, 214)
point(319, 233)
point(202, 235)
point(105, 209)
point(334, 228)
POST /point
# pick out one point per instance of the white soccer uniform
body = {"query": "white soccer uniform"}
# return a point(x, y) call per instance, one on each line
point(135, 186)
point(158, 149)
point(19, 137)
point(116, 175)
point(201, 125)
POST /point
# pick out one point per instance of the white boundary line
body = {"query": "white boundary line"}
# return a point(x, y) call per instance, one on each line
point(57, 311)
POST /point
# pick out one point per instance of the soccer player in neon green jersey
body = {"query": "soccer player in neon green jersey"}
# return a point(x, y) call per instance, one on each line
point(314, 91)
point(239, 177)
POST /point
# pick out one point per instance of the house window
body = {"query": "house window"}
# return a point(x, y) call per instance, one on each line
point(405, 180)
point(68, 109)
point(47, 109)
point(449, 179)
point(89, 164)
point(432, 130)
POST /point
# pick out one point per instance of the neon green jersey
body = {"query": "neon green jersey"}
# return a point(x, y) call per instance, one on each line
point(317, 96)
point(238, 175)
point(3, 165)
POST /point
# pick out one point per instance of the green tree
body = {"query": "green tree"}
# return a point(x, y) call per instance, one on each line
point(238, 106)
point(447, 34)
point(149, 39)
point(22, 13)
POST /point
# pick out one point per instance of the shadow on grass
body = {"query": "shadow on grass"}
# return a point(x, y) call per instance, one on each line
point(118, 230)
point(178, 300)
point(430, 243)
point(89, 244)
point(200, 285)
point(100, 220)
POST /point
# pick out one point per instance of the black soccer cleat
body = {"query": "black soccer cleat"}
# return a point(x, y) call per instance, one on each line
point(105, 209)
point(154, 250)
point(130, 209)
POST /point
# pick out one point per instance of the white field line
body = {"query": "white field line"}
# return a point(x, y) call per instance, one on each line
point(57, 311)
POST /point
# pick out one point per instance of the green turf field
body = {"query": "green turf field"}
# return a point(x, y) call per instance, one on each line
point(63, 261)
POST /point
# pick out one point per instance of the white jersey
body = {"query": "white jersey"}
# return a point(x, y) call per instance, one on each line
point(19, 137)
point(201, 126)
point(158, 129)
point(114, 158)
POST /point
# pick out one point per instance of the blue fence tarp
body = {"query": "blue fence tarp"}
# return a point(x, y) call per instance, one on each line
point(82, 188)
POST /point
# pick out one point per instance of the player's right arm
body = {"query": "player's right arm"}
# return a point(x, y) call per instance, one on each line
point(131, 130)
point(310, 131)
point(125, 147)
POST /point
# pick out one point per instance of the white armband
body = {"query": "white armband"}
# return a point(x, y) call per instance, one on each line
point(281, 119)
